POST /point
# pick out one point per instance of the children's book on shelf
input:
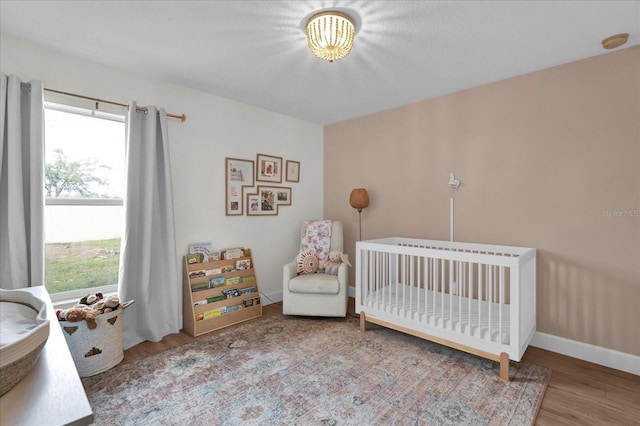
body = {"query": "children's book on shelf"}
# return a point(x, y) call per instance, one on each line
point(194, 258)
point(213, 313)
point(233, 253)
point(204, 249)
point(199, 287)
point(228, 268)
point(210, 299)
point(216, 282)
point(247, 290)
point(229, 309)
point(231, 292)
point(233, 280)
point(196, 274)
point(217, 298)
point(252, 301)
point(242, 264)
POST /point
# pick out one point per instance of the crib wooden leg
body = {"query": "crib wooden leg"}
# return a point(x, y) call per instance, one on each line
point(504, 366)
point(363, 322)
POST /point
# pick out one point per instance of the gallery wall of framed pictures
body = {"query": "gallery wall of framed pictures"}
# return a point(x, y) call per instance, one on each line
point(244, 194)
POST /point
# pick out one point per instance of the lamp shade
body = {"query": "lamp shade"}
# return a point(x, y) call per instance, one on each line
point(330, 35)
point(359, 198)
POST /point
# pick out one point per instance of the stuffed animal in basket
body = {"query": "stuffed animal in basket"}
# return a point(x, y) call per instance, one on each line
point(334, 259)
point(79, 314)
point(90, 299)
point(110, 304)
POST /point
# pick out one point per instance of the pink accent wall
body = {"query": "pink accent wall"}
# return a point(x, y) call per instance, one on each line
point(549, 160)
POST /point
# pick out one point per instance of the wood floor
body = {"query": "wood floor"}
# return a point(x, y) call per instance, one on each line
point(579, 393)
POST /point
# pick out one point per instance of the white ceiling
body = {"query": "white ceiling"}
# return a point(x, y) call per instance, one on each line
point(255, 52)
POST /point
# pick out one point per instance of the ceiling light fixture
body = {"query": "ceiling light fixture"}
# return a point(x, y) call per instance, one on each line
point(330, 35)
point(615, 41)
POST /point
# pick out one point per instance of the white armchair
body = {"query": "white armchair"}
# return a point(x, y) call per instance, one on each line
point(317, 294)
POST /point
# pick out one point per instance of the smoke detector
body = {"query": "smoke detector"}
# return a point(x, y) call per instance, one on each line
point(615, 41)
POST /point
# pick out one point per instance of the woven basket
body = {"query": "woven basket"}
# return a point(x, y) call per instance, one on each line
point(17, 357)
point(95, 351)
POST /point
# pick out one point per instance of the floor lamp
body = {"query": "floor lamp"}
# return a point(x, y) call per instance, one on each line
point(359, 199)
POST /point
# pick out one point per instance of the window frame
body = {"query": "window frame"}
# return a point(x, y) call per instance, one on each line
point(69, 298)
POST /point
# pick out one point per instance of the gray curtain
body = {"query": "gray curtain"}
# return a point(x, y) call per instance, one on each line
point(148, 262)
point(21, 184)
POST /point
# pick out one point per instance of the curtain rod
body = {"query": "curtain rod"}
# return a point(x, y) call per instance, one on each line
point(181, 117)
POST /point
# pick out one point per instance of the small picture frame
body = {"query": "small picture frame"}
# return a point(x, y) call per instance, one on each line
point(262, 203)
point(239, 173)
point(253, 204)
point(293, 171)
point(267, 200)
point(282, 194)
point(268, 168)
point(242, 264)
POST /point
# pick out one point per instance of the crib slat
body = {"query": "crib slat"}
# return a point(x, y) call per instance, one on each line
point(451, 275)
point(370, 282)
point(470, 296)
point(405, 285)
point(400, 287)
point(490, 284)
point(436, 264)
point(379, 277)
point(502, 283)
point(417, 277)
point(395, 279)
point(480, 299)
point(459, 285)
point(375, 271)
point(442, 282)
point(410, 283)
point(425, 280)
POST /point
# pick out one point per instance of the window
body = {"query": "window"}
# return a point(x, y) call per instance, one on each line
point(84, 188)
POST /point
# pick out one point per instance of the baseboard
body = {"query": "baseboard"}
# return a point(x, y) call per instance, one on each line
point(352, 292)
point(269, 298)
point(587, 352)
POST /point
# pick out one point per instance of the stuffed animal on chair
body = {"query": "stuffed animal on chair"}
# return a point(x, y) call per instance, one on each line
point(334, 259)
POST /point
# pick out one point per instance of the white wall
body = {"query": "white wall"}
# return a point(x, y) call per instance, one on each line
point(215, 128)
point(65, 224)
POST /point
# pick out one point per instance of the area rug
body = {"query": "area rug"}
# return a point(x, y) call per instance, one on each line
point(305, 371)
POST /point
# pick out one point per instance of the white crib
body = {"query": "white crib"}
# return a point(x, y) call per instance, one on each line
point(473, 297)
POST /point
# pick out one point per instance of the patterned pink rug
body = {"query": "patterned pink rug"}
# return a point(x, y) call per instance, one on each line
point(301, 371)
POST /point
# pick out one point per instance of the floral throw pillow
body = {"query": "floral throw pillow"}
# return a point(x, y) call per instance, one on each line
point(316, 236)
point(307, 262)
